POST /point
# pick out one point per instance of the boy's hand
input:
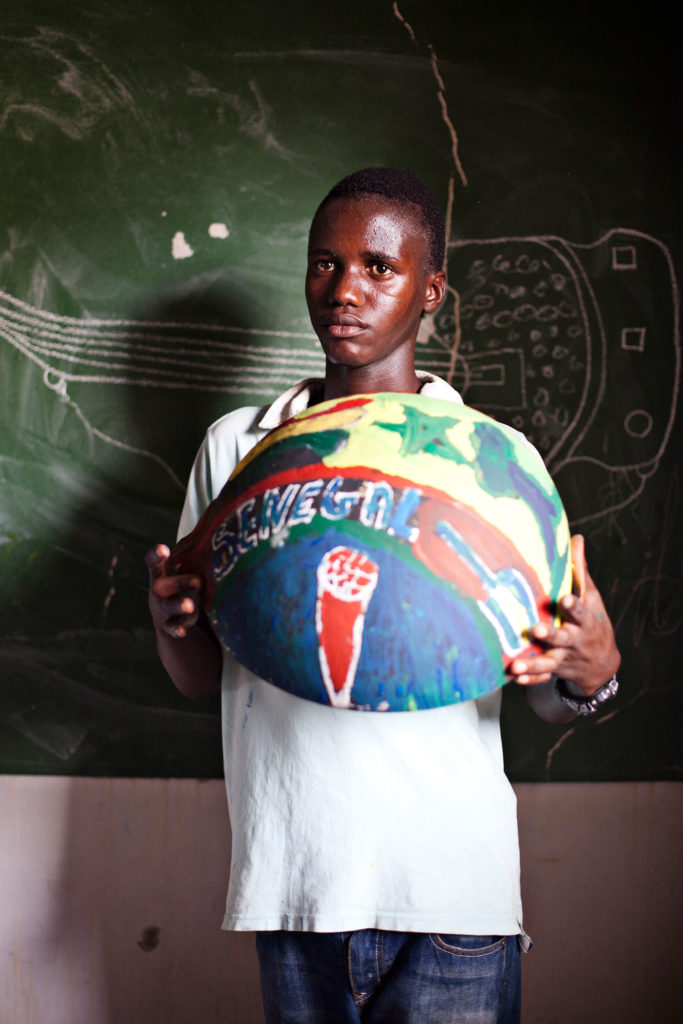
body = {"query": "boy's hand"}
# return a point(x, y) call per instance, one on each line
point(582, 648)
point(174, 601)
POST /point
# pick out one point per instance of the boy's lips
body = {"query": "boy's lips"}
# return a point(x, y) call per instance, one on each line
point(343, 326)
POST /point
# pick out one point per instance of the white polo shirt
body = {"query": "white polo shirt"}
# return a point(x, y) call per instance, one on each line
point(344, 820)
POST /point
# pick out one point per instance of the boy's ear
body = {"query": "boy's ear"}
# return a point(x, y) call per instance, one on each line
point(435, 289)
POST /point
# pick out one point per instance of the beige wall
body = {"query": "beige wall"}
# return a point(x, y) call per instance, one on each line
point(89, 866)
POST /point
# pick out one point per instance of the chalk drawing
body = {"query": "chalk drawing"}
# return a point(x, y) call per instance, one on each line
point(88, 89)
point(180, 248)
point(537, 338)
point(538, 330)
point(532, 331)
point(534, 336)
point(112, 586)
point(195, 357)
point(406, 25)
point(252, 113)
point(633, 337)
point(624, 257)
point(540, 337)
point(451, 288)
point(638, 423)
point(653, 606)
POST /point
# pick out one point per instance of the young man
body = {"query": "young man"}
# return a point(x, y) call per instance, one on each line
point(376, 856)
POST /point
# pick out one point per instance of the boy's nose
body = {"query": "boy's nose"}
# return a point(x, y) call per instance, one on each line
point(346, 289)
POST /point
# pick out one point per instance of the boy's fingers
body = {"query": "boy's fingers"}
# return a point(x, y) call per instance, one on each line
point(573, 610)
point(579, 568)
point(542, 664)
point(165, 586)
point(156, 559)
point(548, 637)
point(172, 586)
point(533, 680)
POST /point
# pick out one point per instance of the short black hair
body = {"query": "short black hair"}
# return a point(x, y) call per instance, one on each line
point(401, 187)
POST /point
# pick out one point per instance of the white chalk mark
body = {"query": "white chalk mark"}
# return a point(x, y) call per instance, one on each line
point(573, 283)
point(86, 325)
point(406, 25)
point(457, 332)
point(91, 87)
point(180, 248)
point(192, 357)
point(199, 357)
point(59, 386)
point(638, 423)
point(218, 230)
point(253, 117)
point(441, 93)
point(553, 750)
point(624, 257)
point(112, 588)
point(449, 217)
point(591, 246)
point(633, 338)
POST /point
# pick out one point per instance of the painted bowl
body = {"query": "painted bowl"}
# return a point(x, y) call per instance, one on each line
point(384, 552)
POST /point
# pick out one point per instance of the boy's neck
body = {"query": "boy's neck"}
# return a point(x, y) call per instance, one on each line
point(341, 381)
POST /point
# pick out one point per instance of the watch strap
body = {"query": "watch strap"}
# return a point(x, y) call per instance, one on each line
point(587, 705)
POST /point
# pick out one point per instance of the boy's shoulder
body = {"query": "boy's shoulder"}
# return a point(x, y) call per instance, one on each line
point(255, 420)
point(244, 420)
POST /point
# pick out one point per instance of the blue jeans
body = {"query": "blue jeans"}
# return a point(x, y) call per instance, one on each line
point(379, 977)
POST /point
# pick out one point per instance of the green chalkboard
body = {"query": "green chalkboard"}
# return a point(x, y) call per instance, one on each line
point(160, 166)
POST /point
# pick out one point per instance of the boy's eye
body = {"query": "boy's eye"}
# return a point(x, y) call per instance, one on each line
point(323, 265)
point(380, 270)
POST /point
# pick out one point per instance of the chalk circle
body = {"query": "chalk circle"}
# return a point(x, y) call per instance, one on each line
point(383, 552)
point(638, 423)
point(55, 380)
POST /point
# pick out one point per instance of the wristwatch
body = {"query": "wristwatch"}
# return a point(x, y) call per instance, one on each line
point(587, 705)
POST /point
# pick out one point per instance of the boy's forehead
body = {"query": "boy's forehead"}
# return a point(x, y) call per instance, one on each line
point(369, 214)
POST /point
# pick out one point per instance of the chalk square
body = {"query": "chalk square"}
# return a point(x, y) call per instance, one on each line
point(624, 257)
point(633, 339)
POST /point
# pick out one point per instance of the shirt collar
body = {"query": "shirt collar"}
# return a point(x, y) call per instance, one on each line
point(309, 392)
point(306, 392)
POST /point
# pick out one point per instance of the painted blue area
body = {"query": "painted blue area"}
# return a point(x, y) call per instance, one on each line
point(494, 583)
point(424, 645)
point(546, 511)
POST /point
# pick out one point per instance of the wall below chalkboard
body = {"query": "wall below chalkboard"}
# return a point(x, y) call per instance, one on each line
point(83, 951)
point(160, 172)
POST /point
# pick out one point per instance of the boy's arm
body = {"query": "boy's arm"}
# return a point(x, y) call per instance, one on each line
point(581, 650)
point(188, 649)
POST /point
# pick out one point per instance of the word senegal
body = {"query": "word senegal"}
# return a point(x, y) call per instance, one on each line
point(267, 517)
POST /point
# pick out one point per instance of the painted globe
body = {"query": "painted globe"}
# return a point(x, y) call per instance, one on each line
point(384, 552)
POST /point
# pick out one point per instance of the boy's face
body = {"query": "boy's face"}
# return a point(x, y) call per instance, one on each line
point(366, 284)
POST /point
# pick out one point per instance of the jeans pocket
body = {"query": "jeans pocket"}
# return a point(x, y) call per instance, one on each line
point(469, 945)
